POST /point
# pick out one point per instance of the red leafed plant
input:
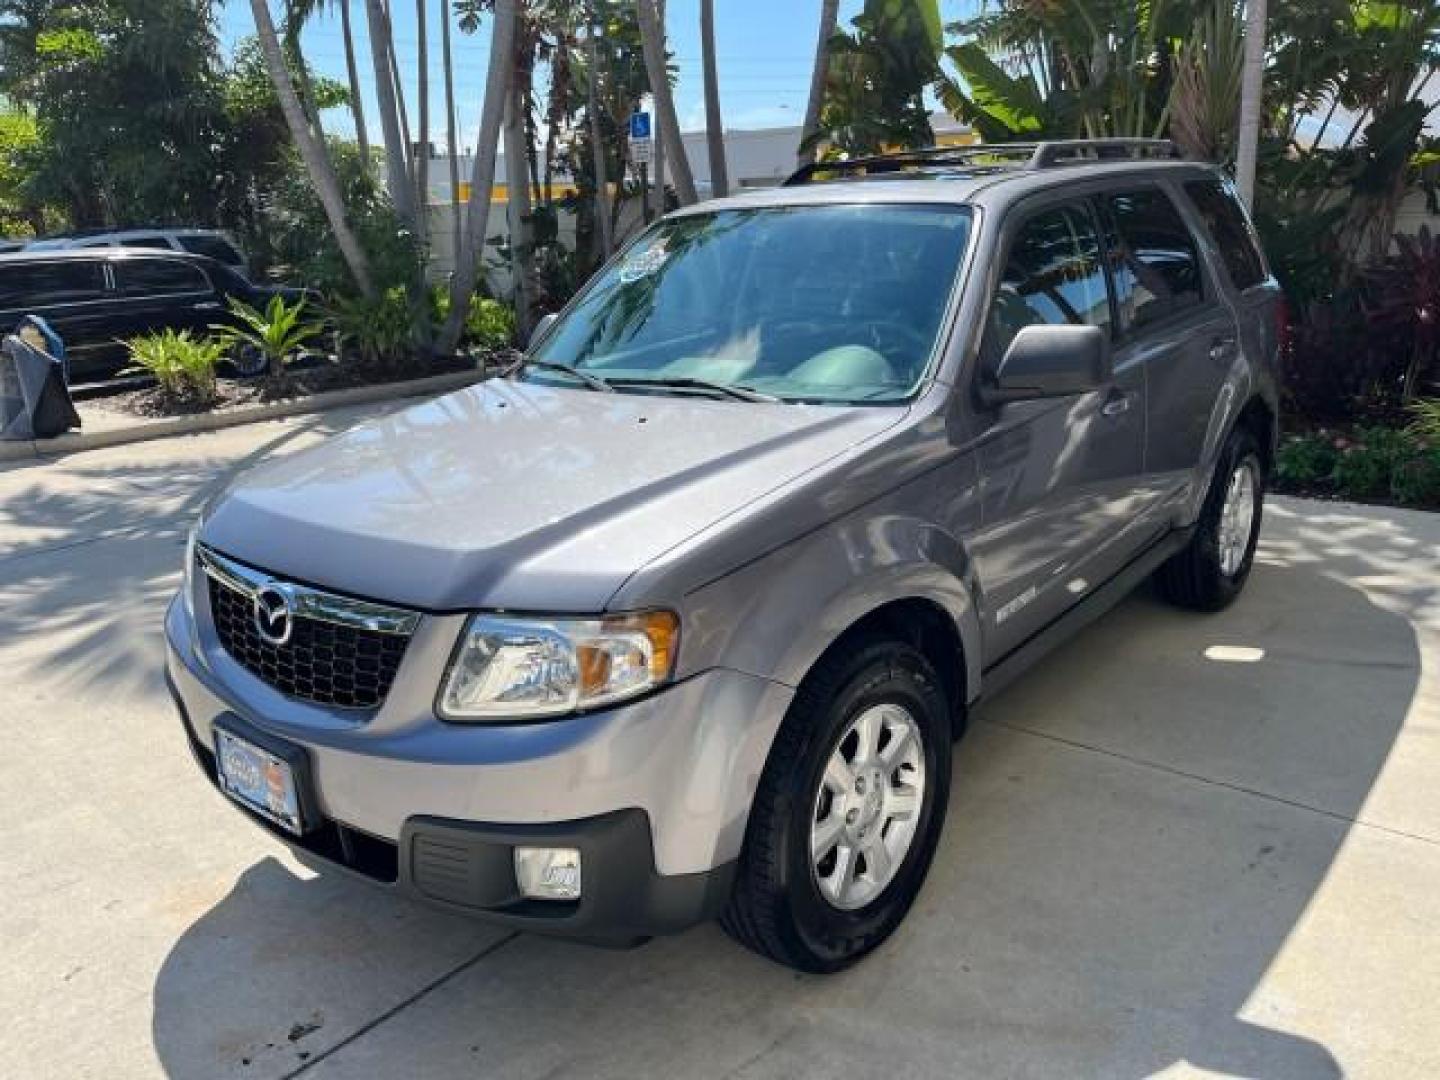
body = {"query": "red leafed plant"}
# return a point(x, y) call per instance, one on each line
point(1403, 293)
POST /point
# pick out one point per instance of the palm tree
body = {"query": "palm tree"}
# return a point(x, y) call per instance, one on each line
point(482, 178)
point(452, 148)
point(1251, 88)
point(422, 158)
point(810, 130)
point(396, 152)
point(517, 205)
point(597, 147)
point(652, 36)
point(312, 153)
point(714, 126)
point(352, 74)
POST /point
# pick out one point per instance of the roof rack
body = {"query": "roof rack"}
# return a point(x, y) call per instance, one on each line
point(1036, 155)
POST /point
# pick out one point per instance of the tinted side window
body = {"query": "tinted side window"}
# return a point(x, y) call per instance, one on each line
point(1157, 267)
point(40, 284)
point(1218, 205)
point(213, 246)
point(158, 277)
point(1053, 274)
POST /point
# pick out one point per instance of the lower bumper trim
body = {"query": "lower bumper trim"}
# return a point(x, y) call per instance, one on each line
point(467, 868)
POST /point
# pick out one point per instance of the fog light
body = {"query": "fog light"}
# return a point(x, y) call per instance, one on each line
point(548, 873)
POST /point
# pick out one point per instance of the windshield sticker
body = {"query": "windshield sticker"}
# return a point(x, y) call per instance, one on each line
point(644, 263)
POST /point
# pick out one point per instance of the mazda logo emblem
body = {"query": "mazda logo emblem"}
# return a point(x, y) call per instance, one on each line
point(274, 619)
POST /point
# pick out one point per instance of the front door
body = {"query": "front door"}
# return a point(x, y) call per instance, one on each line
point(1061, 479)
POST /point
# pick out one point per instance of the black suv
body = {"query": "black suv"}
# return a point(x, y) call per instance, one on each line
point(97, 299)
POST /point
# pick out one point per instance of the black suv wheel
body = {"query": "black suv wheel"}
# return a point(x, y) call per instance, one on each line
point(848, 812)
point(1212, 569)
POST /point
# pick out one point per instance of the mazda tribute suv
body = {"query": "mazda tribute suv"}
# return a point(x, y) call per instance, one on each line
point(678, 618)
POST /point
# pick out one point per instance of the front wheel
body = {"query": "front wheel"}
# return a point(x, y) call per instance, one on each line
point(848, 811)
point(1208, 574)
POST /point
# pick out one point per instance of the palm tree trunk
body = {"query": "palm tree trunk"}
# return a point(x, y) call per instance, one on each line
point(396, 171)
point(422, 155)
point(482, 179)
point(810, 130)
point(652, 36)
point(1251, 88)
point(597, 147)
point(714, 125)
point(352, 73)
point(657, 194)
point(517, 209)
point(317, 164)
point(452, 148)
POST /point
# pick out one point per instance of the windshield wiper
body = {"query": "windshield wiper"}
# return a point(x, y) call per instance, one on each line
point(592, 381)
point(739, 393)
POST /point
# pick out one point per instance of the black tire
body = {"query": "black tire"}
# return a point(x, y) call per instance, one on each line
point(248, 361)
point(777, 908)
point(1194, 578)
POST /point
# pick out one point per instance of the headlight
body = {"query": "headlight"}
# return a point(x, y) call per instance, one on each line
point(187, 582)
point(523, 668)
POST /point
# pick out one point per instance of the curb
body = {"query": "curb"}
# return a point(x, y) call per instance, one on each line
point(33, 449)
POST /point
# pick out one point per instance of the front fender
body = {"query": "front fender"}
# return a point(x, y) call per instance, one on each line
point(775, 617)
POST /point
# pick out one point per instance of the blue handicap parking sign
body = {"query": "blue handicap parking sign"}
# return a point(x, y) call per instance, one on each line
point(640, 125)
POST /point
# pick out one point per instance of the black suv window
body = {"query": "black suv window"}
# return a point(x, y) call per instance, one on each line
point(158, 277)
point(1053, 274)
point(41, 284)
point(214, 246)
point(1155, 261)
point(1219, 206)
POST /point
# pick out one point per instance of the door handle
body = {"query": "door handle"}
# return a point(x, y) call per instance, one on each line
point(1222, 350)
point(1117, 403)
point(207, 305)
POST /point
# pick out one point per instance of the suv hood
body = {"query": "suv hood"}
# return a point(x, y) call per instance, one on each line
point(521, 496)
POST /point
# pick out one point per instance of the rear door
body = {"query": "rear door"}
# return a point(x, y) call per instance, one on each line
point(71, 295)
point(1175, 325)
point(159, 293)
point(1059, 476)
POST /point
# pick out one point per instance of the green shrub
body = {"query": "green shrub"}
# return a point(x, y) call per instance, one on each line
point(1426, 424)
point(378, 332)
point(182, 365)
point(1393, 464)
point(1304, 461)
point(489, 323)
point(278, 332)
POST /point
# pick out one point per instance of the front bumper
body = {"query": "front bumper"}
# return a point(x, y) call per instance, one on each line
point(654, 794)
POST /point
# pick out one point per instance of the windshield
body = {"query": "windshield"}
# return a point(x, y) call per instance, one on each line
point(832, 304)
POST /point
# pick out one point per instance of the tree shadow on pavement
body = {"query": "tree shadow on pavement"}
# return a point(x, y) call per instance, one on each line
point(90, 552)
point(1135, 831)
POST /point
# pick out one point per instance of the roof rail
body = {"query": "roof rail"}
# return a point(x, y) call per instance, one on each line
point(1032, 155)
point(1081, 151)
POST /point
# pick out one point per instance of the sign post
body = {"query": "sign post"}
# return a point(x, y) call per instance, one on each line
point(642, 152)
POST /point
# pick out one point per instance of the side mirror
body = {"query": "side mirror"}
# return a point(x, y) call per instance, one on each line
point(542, 328)
point(1050, 361)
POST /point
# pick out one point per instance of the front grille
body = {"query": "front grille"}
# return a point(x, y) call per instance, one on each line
point(324, 661)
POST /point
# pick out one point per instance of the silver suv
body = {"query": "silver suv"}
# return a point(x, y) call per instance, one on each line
point(678, 620)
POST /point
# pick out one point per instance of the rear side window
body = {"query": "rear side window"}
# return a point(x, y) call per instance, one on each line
point(1220, 208)
point(215, 247)
point(1155, 261)
point(1053, 275)
point(42, 284)
point(158, 277)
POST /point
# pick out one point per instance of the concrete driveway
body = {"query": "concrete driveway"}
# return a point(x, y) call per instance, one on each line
point(1185, 846)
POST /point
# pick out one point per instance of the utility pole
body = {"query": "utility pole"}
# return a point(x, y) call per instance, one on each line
point(1252, 90)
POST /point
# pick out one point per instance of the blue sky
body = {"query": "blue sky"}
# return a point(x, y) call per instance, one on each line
point(764, 48)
